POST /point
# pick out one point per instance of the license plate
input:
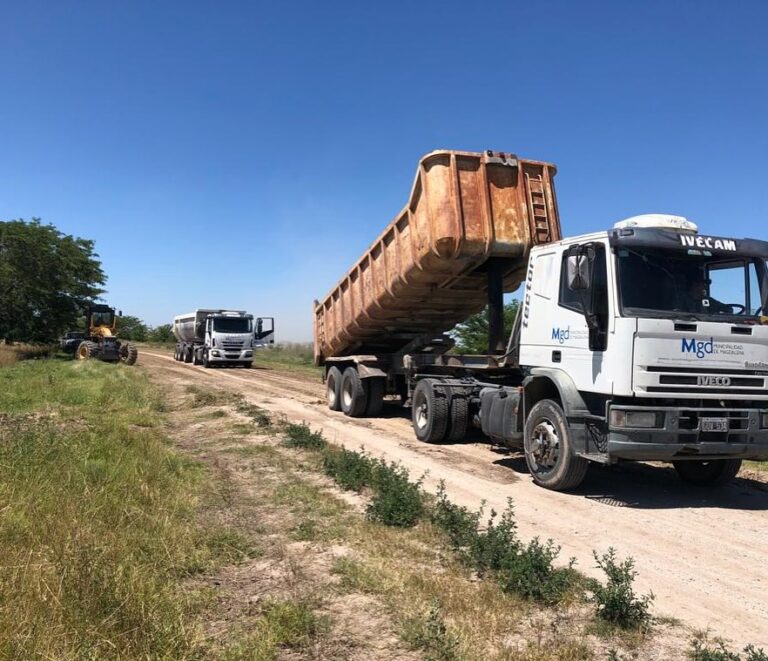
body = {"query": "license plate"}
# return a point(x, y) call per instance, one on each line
point(714, 424)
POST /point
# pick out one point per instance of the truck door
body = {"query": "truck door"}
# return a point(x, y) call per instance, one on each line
point(581, 350)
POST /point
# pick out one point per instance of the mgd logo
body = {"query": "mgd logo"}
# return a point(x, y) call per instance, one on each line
point(561, 335)
point(699, 347)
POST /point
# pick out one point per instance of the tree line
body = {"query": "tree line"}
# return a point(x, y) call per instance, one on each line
point(47, 280)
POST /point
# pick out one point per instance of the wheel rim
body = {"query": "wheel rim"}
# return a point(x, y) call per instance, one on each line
point(544, 445)
point(346, 396)
point(82, 353)
point(421, 409)
point(331, 391)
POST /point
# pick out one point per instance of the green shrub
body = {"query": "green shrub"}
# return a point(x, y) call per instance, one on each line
point(351, 470)
point(458, 523)
point(700, 651)
point(616, 600)
point(301, 436)
point(396, 500)
point(431, 635)
point(525, 570)
point(530, 573)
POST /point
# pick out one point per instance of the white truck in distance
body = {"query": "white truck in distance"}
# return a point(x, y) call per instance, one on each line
point(220, 337)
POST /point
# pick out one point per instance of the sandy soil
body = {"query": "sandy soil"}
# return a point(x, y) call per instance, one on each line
point(702, 552)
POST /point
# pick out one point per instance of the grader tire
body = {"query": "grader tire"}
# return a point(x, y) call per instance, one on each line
point(86, 350)
point(128, 354)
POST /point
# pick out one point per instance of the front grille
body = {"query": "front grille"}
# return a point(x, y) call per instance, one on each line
point(699, 381)
point(232, 346)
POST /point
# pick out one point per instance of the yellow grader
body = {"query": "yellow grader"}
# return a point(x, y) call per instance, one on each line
point(99, 339)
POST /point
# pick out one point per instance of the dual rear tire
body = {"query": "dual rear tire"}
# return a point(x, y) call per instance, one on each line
point(347, 392)
point(439, 412)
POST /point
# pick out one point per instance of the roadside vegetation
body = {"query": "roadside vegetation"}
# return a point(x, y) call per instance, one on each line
point(98, 517)
point(197, 524)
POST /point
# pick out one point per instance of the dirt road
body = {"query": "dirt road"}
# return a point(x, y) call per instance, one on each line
point(702, 552)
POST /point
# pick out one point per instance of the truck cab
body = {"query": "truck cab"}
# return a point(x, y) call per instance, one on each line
point(649, 343)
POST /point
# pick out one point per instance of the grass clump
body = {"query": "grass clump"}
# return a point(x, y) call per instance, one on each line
point(261, 417)
point(431, 634)
point(282, 625)
point(615, 601)
point(208, 396)
point(301, 436)
point(701, 650)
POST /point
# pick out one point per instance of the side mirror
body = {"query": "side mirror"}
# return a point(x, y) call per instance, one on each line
point(579, 267)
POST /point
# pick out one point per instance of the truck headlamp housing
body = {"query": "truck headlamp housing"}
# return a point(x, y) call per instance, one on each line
point(215, 353)
point(764, 419)
point(635, 419)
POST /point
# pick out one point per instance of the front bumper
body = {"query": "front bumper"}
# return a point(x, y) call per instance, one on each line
point(229, 356)
point(679, 435)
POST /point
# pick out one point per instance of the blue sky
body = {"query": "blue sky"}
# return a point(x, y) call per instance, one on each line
point(243, 154)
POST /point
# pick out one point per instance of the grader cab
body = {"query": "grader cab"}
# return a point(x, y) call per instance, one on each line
point(99, 339)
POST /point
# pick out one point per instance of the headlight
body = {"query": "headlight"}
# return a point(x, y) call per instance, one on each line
point(214, 353)
point(635, 419)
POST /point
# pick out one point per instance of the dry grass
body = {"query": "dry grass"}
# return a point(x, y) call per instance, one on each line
point(10, 354)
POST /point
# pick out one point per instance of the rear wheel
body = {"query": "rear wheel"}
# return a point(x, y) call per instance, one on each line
point(429, 411)
point(128, 354)
point(86, 350)
point(333, 389)
point(197, 359)
point(459, 418)
point(709, 472)
point(376, 388)
point(354, 393)
point(187, 355)
point(548, 449)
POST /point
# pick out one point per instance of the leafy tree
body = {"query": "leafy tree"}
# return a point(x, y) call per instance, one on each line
point(46, 278)
point(162, 334)
point(132, 328)
point(472, 335)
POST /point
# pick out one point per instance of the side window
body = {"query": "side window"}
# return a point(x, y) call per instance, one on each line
point(572, 299)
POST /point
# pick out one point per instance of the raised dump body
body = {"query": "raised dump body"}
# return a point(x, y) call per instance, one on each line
point(428, 270)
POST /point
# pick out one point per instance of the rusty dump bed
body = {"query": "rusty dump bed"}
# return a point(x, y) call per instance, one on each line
point(428, 270)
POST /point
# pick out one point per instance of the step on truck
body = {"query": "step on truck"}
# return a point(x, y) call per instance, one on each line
point(646, 342)
point(216, 337)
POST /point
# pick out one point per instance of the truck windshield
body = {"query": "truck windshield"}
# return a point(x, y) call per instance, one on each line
point(692, 285)
point(232, 325)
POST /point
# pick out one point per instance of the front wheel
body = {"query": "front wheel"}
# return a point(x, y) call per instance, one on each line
point(709, 472)
point(129, 354)
point(87, 350)
point(548, 448)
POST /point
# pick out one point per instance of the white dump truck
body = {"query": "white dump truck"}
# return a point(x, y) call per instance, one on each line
point(214, 337)
point(647, 341)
